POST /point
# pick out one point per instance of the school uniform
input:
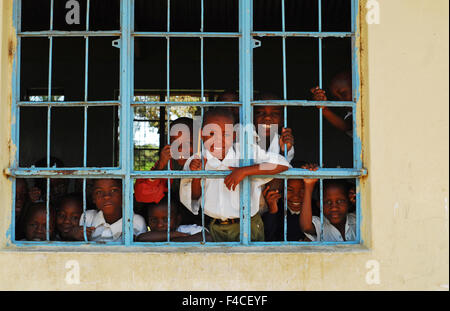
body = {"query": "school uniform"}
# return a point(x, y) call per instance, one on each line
point(330, 233)
point(105, 232)
point(274, 225)
point(222, 204)
point(274, 147)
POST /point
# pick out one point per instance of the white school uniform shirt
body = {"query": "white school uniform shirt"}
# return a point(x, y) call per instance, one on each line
point(330, 233)
point(191, 229)
point(221, 203)
point(275, 148)
point(105, 232)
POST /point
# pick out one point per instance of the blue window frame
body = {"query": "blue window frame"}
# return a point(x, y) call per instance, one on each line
point(124, 39)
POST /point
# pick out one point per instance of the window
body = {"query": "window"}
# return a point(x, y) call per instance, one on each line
point(97, 86)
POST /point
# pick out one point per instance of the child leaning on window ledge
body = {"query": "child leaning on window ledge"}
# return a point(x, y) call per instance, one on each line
point(338, 225)
point(106, 221)
point(221, 197)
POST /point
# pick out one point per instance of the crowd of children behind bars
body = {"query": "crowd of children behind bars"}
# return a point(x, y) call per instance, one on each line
point(208, 209)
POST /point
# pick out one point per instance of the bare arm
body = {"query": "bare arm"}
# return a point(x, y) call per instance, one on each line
point(306, 223)
point(159, 236)
point(239, 173)
point(306, 215)
point(336, 120)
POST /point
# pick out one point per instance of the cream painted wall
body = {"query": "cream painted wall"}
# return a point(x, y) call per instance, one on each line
point(405, 195)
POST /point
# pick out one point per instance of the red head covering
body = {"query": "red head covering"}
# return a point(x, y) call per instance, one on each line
point(150, 190)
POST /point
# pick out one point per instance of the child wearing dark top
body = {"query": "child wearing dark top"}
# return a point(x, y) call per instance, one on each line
point(274, 218)
point(34, 226)
point(157, 220)
point(341, 90)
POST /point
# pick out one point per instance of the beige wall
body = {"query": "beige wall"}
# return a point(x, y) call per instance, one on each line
point(405, 195)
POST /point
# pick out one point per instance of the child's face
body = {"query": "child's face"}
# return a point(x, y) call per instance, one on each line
point(182, 140)
point(157, 219)
point(36, 226)
point(267, 116)
point(342, 90)
point(68, 217)
point(107, 195)
point(335, 205)
point(218, 142)
point(295, 194)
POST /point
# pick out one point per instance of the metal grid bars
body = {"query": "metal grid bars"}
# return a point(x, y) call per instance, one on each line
point(127, 102)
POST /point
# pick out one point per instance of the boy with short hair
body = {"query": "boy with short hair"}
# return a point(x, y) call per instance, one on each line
point(339, 225)
point(107, 219)
point(266, 117)
point(221, 196)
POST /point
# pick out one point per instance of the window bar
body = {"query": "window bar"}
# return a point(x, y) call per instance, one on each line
point(16, 109)
point(357, 149)
point(168, 209)
point(126, 145)
point(47, 214)
point(202, 180)
point(246, 96)
point(202, 94)
point(84, 210)
point(321, 118)
point(168, 53)
point(16, 87)
point(283, 16)
point(49, 91)
point(86, 80)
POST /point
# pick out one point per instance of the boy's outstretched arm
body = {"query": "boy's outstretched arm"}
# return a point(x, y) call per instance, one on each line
point(240, 173)
point(306, 223)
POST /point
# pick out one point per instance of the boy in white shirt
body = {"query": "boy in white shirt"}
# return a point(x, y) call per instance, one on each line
point(221, 196)
point(106, 221)
point(339, 225)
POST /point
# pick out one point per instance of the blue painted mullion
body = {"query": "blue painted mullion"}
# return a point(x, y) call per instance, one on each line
point(321, 118)
point(357, 147)
point(15, 111)
point(84, 210)
point(126, 146)
point(246, 96)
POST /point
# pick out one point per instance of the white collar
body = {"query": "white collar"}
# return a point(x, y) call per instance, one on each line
point(99, 221)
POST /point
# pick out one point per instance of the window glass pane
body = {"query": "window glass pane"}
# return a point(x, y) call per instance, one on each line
point(221, 16)
point(103, 137)
point(151, 15)
point(33, 135)
point(336, 15)
point(150, 65)
point(267, 15)
point(185, 16)
point(104, 66)
point(66, 135)
point(34, 68)
point(69, 67)
point(35, 15)
point(104, 15)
